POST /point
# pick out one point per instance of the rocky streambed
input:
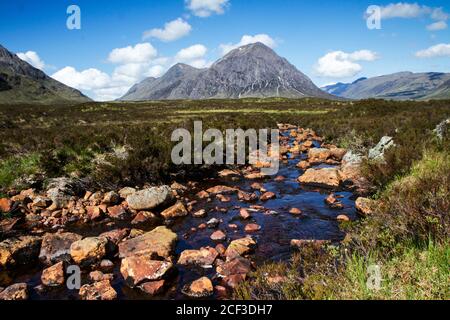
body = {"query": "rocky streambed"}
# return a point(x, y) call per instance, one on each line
point(187, 240)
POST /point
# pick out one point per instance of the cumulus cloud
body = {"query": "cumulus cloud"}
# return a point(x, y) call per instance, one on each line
point(436, 26)
point(339, 64)
point(32, 58)
point(439, 50)
point(247, 39)
point(206, 8)
point(193, 55)
point(172, 30)
point(407, 10)
point(141, 52)
point(89, 79)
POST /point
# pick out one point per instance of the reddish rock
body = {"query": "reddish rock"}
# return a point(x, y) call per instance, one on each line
point(94, 213)
point(201, 288)
point(22, 250)
point(204, 257)
point(96, 276)
point(338, 153)
point(280, 179)
point(240, 247)
point(218, 236)
point(220, 248)
point(223, 198)
point(253, 227)
point(303, 165)
point(15, 292)
point(318, 155)
point(5, 205)
point(222, 190)
point(221, 292)
point(257, 186)
point(203, 195)
point(343, 218)
point(56, 247)
point(233, 226)
point(176, 211)
point(118, 212)
point(89, 251)
point(268, 196)
point(111, 198)
point(247, 197)
point(237, 265)
point(202, 226)
point(106, 266)
point(244, 214)
point(54, 275)
point(200, 214)
point(115, 236)
point(326, 177)
point(227, 173)
point(153, 288)
point(159, 242)
point(98, 291)
point(145, 217)
point(295, 211)
point(136, 270)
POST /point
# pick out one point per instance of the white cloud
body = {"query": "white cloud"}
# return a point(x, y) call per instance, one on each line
point(155, 71)
point(141, 52)
point(413, 10)
point(439, 50)
point(247, 39)
point(206, 8)
point(173, 30)
point(89, 79)
point(193, 52)
point(32, 58)
point(436, 26)
point(339, 64)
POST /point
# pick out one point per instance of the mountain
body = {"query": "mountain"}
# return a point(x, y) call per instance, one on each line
point(22, 83)
point(339, 88)
point(253, 70)
point(397, 86)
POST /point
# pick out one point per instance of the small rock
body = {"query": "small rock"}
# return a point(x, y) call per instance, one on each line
point(222, 190)
point(218, 236)
point(253, 227)
point(136, 270)
point(303, 165)
point(325, 177)
point(19, 251)
point(237, 265)
point(153, 288)
point(204, 257)
point(268, 196)
point(223, 198)
point(200, 214)
point(365, 206)
point(15, 292)
point(203, 195)
point(111, 198)
point(56, 247)
point(97, 276)
point(295, 211)
point(145, 217)
point(159, 242)
point(201, 288)
point(240, 247)
point(213, 223)
point(176, 211)
point(5, 205)
point(150, 198)
point(245, 214)
point(89, 251)
point(118, 213)
point(343, 218)
point(98, 291)
point(54, 275)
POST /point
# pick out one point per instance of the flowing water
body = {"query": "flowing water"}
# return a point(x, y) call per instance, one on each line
point(278, 227)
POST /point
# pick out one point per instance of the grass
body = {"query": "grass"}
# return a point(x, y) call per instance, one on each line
point(15, 168)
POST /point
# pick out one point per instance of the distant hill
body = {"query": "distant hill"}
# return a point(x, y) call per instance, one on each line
point(397, 86)
point(253, 70)
point(22, 83)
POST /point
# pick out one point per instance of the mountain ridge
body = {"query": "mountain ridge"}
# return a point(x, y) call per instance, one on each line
point(20, 82)
point(253, 70)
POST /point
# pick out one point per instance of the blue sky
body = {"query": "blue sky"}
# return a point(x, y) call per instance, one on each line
point(327, 40)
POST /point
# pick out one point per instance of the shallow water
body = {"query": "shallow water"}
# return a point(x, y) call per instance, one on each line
point(318, 221)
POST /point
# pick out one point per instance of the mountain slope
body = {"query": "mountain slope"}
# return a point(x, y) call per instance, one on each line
point(339, 88)
point(397, 86)
point(254, 70)
point(22, 83)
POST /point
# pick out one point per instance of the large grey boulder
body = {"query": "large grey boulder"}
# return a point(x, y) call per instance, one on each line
point(150, 198)
point(377, 153)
